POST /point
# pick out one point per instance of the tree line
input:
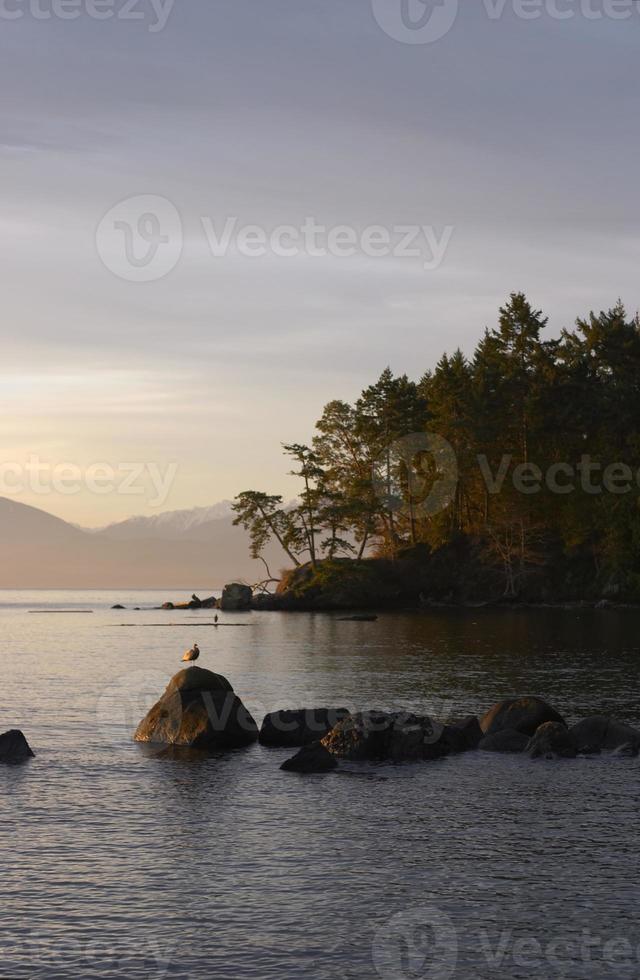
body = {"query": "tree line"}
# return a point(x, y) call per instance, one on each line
point(530, 448)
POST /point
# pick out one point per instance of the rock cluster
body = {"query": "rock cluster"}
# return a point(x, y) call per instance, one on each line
point(200, 710)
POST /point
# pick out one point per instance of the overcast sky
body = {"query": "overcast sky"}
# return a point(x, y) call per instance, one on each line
point(514, 141)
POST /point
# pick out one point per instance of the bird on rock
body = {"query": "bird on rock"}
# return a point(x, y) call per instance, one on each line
point(192, 655)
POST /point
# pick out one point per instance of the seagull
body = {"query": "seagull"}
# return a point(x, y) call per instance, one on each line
point(192, 655)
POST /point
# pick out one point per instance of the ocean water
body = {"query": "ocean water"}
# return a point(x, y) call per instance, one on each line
point(118, 863)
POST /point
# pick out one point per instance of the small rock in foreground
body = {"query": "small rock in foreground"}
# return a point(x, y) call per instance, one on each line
point(14, 747)
point(311, 758)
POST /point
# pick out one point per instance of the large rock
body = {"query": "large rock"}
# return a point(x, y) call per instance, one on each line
point(552, 741)
point(602, 734)
point(505, 741)
point(311, 758)
point(14, 747)
point(299, 727)
point(523, 715)
point(236, 598)
point(396, 736)
point(198, 709)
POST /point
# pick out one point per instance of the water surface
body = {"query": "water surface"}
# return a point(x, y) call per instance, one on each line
point(117, 863)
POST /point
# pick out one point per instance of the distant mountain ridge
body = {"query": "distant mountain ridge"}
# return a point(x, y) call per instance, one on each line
point(168, 524)
point(176, 550)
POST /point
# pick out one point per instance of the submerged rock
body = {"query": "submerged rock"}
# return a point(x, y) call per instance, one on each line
point(505, 741)
point(198, 709)
point(523, 715)
point(311, 758)
point(236, 598)
point(602, 734)
point(299, 727)
point(552, 741)
point(14, 747)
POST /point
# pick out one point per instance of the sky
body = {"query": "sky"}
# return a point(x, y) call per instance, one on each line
point(159, 342)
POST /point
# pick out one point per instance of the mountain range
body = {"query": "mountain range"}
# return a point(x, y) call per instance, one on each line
point(185, 549)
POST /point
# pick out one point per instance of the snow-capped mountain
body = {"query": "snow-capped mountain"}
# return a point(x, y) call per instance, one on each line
point(169, 524)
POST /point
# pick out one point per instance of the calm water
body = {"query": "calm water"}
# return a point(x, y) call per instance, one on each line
point(119, 864)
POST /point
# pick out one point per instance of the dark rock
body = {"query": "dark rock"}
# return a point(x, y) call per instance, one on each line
point(311, 758)
point(236, 598)
point(299, 727)
point(118, 607)
point(505, 741)
point(523, 715)
point(396, 736)
point(552, 741)
point(198, 709)
point(602, 734)
point(267, 602)
point(463, 734)
point(14, 747)
point(210, 603)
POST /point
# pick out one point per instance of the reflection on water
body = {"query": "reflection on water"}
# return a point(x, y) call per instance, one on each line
point(122, 862)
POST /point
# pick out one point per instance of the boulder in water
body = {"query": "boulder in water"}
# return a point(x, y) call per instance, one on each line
point(236, 598)
point(505, 741)
point(463, 734)
point(299, 727)
point(552, 741)
point(602, 734)
point(200, 710)
point(311, 758)
point(523, 715)
point(14, 747)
